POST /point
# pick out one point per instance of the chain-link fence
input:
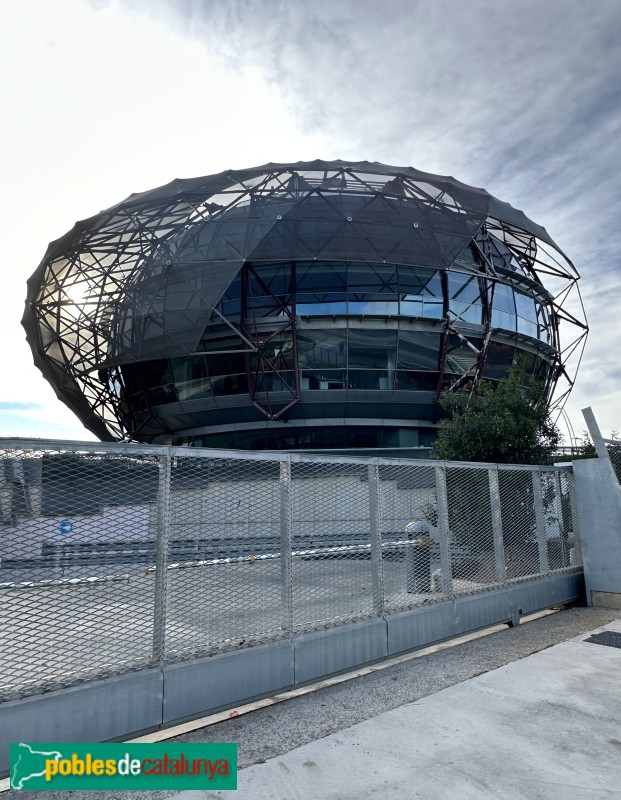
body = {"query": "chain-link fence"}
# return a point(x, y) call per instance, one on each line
point(613, 447)
point(118, 557)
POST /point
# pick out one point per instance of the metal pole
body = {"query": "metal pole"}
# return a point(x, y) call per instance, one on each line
point(562, 522)
point(574, 520)
point(377, 564)
point(161, 558)
point(598, 440)
point(540, 522)
point(443, 531)
point(286, 565)
point(499, 545)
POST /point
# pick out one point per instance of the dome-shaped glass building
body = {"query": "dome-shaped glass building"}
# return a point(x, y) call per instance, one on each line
point(310, 305)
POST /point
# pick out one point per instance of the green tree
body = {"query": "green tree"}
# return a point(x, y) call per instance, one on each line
point(587, 448)
point(506, 422)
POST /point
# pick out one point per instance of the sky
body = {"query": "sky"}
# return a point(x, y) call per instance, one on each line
point(102, 98)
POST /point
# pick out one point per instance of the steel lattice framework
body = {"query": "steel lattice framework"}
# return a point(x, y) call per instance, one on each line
point(241, 265)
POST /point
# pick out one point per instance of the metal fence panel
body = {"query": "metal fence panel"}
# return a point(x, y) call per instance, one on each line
point(77, 539)
point(472, 528)
point(570, 517)
point(613, 448)
point(224, 570)
point(408, 498)
point(521, 513)
point(113, 558)
point(332, 565)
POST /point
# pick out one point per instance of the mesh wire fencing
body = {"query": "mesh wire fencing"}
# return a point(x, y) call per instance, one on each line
point(78, 532)
point(117, 557)
point(613, 447)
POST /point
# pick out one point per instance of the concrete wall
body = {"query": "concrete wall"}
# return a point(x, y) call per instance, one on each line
point(598, 497)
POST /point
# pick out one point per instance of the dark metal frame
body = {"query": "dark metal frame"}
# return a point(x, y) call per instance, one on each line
point(270, 407)
point(99, 298)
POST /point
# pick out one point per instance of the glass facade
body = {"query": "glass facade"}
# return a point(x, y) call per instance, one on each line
point(337, 437)
point(357, 327)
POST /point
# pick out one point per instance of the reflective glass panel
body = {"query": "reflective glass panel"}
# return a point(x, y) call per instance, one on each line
point(372, 349)
point(321, 276)
point(464, 288)
point(418, 350)
point(432, 308)
point(374, 307)
point(322, 349)
point(525, 306)
point(368, 379)
point(460, 358)
point(471, 313)
point(376, 278)
point(417, 281)
point(544, 331)
point(322, 307)
point(323, 380)
point(503, 307)
point(229, 384)
point(411, 381)
point(498, 360)
point(412, 306)
point(527, 327)
point(503, 298)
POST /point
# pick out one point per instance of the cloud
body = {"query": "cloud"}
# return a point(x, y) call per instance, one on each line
point(11, 406)
point(521, 98)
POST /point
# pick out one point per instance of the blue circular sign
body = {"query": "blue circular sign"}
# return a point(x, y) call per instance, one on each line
point(65, 526)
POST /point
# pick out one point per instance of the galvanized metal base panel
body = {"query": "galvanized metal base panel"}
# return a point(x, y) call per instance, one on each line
point(337, 649)
point(568, 587)
point(113, 708)
point(478, 611)
point(532, 596)
point(408, 630)
point(194, 688)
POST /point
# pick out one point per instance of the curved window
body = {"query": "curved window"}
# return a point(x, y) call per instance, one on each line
point(526, 314)
point(322, 349)
point(333, 289)
point(465, 302)
point(414, 306)
point(503, 307)
point(544, 327)
point(498, 360)
point(372, 349)
point(328, 437)
point(352, 354)
point(418, 350)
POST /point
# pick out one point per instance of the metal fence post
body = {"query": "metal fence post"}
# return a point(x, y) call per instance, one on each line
point(561, 516)
point(161, 558)
point(574, 520)
point(286, 566)
point(499, 546)
point(377, 564)
point(540, 522)
point(443, 531)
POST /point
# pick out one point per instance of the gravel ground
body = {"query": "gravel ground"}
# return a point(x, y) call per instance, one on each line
point(277, 729)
